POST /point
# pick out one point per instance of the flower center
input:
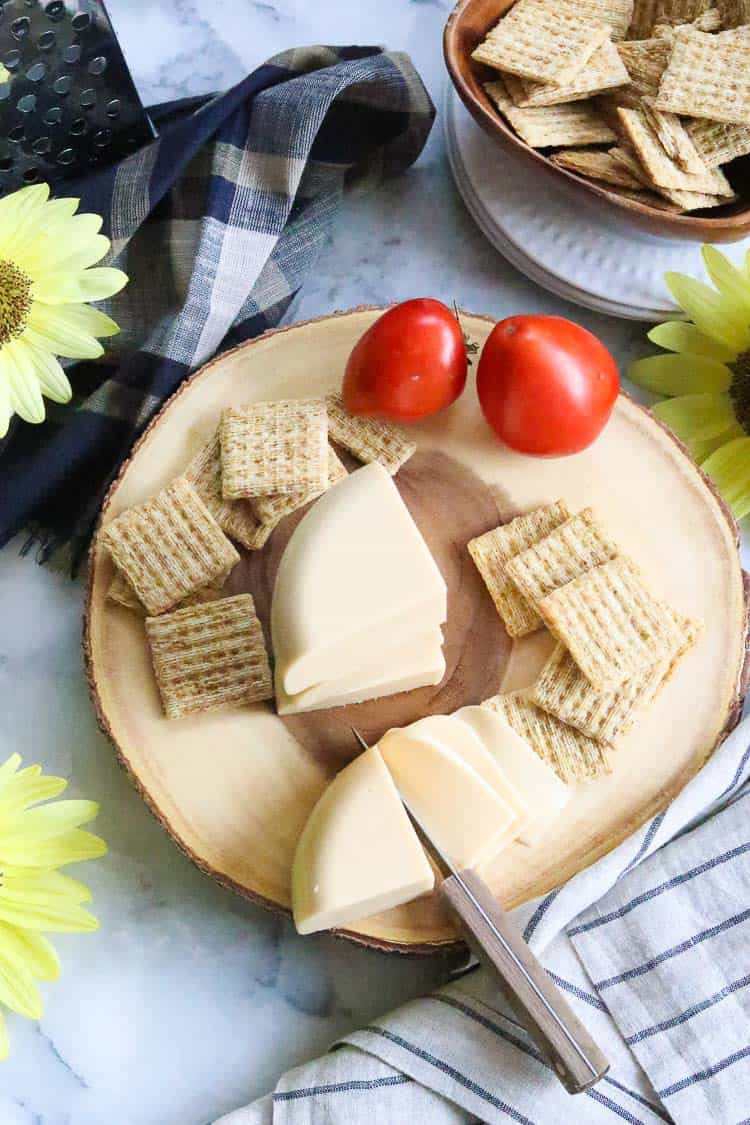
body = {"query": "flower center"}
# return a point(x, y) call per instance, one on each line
point(15, 300)
point(739, 389)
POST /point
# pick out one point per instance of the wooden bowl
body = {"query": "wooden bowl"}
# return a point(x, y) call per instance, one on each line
point(235, 787)
point(467, 26)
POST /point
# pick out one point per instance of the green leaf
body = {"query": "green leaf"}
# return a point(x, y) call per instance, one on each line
point(697, 417)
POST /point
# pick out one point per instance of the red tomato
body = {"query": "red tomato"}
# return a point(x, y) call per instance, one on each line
point(410, 363)
point(546, 385)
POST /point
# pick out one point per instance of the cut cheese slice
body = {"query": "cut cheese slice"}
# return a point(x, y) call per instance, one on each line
point(464, 741)
point(402, 668)
point(546, 795)
point(461, 813)
point(358, 853)
point(355, 574)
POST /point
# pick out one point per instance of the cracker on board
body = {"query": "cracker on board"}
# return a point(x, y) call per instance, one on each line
point(369, 439)
point(209, 656)
point(571, 754)
point(611, 623)
point(274, 447)
point(597, 166)
point(491, 553)
point(567, 552)
point(122, 593)
point(733, 13)
point(271, 509)
point(645, 61)
point(708, 76)
point(169, 547)
point(554, 126)
point(235, 517)
point(605, 70)
point(718, 143)
point(662, 171)
point(674, 138)
point(648, 13)
point(532, 42)
point(563, 691)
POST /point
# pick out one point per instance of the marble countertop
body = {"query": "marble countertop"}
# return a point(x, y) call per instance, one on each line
point(190, 1001)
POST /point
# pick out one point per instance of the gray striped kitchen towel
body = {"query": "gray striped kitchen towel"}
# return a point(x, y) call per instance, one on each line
point(652, 946)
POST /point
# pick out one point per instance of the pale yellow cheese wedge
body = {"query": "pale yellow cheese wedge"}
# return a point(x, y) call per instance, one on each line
point(464, 741)
point(545, 794)
point(358, 853)
point(463, 815)
point(355, 573)
point(407, 666)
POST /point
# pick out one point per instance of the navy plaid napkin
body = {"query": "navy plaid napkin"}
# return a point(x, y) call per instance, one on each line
point(217, 223)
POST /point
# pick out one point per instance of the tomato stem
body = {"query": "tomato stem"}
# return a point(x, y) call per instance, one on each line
point(471, 346)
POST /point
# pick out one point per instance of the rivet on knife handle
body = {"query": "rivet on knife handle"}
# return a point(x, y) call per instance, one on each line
point(543, 1010)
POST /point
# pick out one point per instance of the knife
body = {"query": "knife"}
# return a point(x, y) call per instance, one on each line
point(538, 1002)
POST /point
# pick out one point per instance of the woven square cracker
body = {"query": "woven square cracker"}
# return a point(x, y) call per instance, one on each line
point(369, 439)
point(491, 553)
point(668, 199)
point(596, 165)
point(611, 623)
point(169, 547)
point(271, 509)
point(648, 13)
point(209, 656)
point(274, 447)
point(563, 691)
point(718, 143)
point(645, 61)
point(674, 138)
point(605, 70)
point(572, 755)
point(662, 171)
point(235, 517)
point(567, 552)
point(733, 13)
point(554, 126)
point(122, 593)
point(547, 47)
point(708, 76)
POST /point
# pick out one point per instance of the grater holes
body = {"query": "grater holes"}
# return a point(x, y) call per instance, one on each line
point(30, 175)
point(113, 108)
point(53, 116)
point(78, 127)
point(88, 97)
point(36, 72)
point(55, 10)
point(103, 137)
point(20, 28)
point(62, 85)
point(81, 21)
point(97, 66)
point(26, 104)
point(12, 60)
point(72, 54)
point(66, 156)
point(16, 134)
point(46, 41)
point(42, 145)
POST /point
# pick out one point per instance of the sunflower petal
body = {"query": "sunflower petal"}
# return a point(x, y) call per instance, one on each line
point(58, 915)
point(4, 1041)
point(91, 320)
point(53, 381)
point(70, 847)
point(52, 883)
point(709, 311)
point(680, 374)
point(702, 448)
point(8, 768)
point(696, 417)
point(53, 330)
point(32, 950)
point(729, 468)
point(27, 788)
point(17, 989)
point(90, 285)
point(682, 336)
point(731, 282)
point(42, 823)
point(25, 393)
point(58, 260)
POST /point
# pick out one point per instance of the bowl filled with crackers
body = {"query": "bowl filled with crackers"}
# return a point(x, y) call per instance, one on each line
point(638, 107)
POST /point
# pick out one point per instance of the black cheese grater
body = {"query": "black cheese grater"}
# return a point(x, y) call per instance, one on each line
point(67, 101)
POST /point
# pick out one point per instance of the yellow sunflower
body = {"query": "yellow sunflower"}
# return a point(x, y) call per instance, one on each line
point(46, 252)
point(708, 374)
point(34, 896)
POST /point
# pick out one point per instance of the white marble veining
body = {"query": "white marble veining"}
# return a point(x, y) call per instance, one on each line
point(189, 1001)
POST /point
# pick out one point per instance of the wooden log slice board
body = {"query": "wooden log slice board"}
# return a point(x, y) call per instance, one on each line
point(235, 788)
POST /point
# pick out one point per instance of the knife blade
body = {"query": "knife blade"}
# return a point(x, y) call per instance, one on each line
point(541, 1007)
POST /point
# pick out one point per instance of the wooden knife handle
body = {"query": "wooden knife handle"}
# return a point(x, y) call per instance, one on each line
point(540, 1005)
